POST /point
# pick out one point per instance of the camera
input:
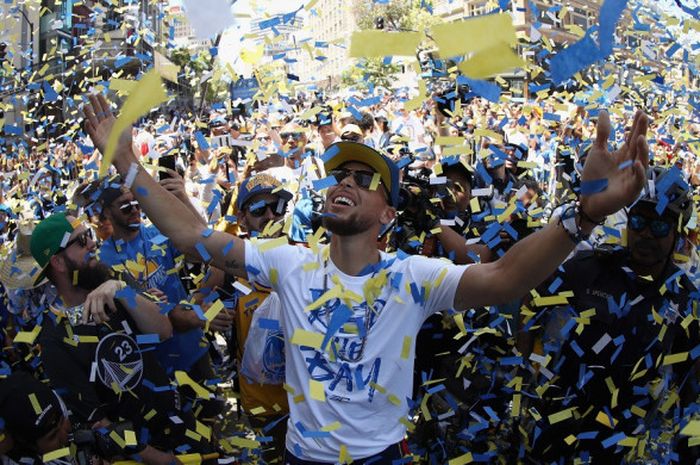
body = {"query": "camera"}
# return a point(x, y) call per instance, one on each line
point(97, 442)
point(445, 90)
point(418, 215)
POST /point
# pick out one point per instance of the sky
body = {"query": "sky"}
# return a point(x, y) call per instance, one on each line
point(243, 10)
point(232, 40)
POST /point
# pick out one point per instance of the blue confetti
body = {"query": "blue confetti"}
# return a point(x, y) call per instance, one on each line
point(593, 186)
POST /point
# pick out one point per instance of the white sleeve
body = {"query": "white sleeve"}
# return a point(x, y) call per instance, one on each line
point(264, 267)
point(439, 278)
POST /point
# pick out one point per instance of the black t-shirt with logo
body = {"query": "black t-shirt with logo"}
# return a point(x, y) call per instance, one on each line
point(617, 350)
point(111, 370)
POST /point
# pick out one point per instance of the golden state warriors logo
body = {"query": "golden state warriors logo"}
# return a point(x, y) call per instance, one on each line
point(146, 272)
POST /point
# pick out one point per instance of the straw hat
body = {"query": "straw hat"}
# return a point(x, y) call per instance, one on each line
point(19, 269)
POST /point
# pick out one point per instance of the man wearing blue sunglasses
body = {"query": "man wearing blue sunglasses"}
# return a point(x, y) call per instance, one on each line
point(604, 349)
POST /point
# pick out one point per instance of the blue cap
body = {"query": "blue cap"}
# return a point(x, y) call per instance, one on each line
point(261, 183)
point(344, 152)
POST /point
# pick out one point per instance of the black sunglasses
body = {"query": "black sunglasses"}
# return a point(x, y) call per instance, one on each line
point(659, 228)
point(258, 209)
point(362, 178)
point(293, 135)
point(81, 239)
point(128, 207)
point(351, 137)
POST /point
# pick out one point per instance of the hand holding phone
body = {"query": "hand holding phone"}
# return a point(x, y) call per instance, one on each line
point(166, 161)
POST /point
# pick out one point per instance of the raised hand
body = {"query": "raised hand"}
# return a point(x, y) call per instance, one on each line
point(623, 185)
point(99, 121)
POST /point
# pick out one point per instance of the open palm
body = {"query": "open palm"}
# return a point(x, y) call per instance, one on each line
point(99, 122)
point(624, 169)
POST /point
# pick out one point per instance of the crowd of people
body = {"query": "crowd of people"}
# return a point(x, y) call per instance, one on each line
point(360, 279)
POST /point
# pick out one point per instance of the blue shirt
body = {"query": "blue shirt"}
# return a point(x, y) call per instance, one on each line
point(152, 267)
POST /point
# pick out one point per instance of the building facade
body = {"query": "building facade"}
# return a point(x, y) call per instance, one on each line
point(325, 52)
point(555, 18)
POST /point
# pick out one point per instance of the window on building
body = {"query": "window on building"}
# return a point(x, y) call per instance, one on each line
point(580, 17)
point(113, 18)
point(477, 8)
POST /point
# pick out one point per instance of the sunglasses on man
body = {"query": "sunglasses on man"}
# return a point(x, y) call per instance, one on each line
point(258, 209)
point(128, 207)
point(361, 177)
point(81, 239)
point(659, 228)
point(293, 135)
point(351, 137)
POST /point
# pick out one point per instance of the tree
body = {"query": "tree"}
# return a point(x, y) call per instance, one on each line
point(370, 72)
point(396, 15)
point(218, 86)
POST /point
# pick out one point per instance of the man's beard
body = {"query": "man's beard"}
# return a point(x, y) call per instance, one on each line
point(345, 227)
point(126, 225)
point(90, 276)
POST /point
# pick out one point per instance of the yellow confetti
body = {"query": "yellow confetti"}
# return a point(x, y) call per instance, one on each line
point(692, 428)
point(270, 244)
point(243, 442)
point(130, 438)
point(316, 390)
point(214, 310)
point(35, 403)
point(183, 379)
point(560, 416)
point(376, 43)
point(28, 337)
point(331, 427)
point(56, 454)
point(462, 459)
point(406, 349)
point(675, 358)
point(474, 34)
point(258, 410)
point(604, 419)
point(374, 184)
point(497, 59)
point(147, 94)
point(302, 337)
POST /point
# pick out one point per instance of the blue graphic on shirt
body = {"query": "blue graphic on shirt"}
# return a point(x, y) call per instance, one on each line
point(149, 267)
point(273, 356)
point(346, 333)
point(153, 269)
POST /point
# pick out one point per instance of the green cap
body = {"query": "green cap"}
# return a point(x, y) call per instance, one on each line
point(48, 238)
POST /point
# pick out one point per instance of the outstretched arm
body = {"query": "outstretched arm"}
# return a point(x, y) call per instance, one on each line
point(536, 257)
point(169, 214)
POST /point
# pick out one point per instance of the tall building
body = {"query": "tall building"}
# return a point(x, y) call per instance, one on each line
point(556, 18)
point(20, 32)
point(19, 55)
point(179, 31)
point(280, 36)
point(324, 55)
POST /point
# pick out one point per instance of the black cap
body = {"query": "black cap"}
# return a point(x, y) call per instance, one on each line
point(110, 190)
point(29, 408)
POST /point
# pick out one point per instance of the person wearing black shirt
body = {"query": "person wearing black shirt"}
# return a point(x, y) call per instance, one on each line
point(96, 342)
point(617, 346)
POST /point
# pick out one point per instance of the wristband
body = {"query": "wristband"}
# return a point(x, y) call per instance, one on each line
point(588, 218)
point(567, 219)
point(131, 175)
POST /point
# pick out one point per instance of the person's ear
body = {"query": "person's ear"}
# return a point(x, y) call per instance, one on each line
point(58, 263)
point(243, 220)
point(387, 215)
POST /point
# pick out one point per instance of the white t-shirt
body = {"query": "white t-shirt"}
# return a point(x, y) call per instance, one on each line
point(367, 381)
